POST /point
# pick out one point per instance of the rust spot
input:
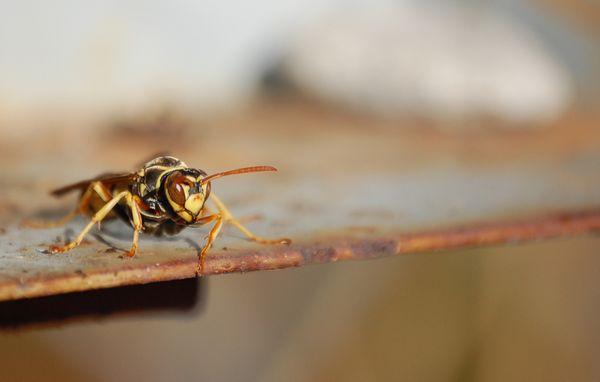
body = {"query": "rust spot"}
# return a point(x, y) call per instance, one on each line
point(322, 254)
point(80, 273)
point(226, 266)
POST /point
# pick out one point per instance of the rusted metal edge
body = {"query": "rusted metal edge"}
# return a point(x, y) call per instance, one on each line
point(325, 250)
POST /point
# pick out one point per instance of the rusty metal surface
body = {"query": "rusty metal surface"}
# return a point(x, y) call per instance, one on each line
point(347, 189)
point(87, 270)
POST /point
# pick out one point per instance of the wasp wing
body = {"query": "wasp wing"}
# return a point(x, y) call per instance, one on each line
point(153, 157)
point(106, 179)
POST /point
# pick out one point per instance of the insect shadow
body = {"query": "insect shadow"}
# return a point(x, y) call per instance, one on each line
point(48, 214)
point(118, 230)
point(114, 230)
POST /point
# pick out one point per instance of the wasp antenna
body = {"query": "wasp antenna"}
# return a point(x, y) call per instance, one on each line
point(242, 170)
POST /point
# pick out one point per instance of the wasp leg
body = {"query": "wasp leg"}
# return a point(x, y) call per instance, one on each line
point(212, 235)
point(102, 191)
point(84, 201)
point(205, 220)
point(37, 223)
point(136, 218)
point(228, 217)
point(98, 217)
point(82, 205)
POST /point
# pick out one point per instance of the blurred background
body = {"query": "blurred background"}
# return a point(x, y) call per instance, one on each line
point(453, 110)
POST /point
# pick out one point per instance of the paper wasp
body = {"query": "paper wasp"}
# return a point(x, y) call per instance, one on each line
point(163, 197)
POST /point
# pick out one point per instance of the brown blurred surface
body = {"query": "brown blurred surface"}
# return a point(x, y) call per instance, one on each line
point(518, 313)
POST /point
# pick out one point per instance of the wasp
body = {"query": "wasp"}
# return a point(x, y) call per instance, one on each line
point(163, 197)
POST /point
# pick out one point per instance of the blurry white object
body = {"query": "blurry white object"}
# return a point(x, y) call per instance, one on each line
point(98, 57)
point(431, 60)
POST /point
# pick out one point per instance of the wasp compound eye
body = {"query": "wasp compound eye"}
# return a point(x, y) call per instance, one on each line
point(178, 188)
point(177, 193)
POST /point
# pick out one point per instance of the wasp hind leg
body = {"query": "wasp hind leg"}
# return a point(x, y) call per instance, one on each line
point(228, 217)
point(83, 203)
point(97, 218)
point(38, 223)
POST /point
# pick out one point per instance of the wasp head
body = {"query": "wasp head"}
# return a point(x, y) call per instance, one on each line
point(187, 189)
point(186, 193)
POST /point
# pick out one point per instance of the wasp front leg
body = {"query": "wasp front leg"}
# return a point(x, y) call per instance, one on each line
point(228, 217)
point(212, 235)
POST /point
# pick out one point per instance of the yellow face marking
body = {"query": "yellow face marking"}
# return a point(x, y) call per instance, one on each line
point(194, 203)
point(185, 215)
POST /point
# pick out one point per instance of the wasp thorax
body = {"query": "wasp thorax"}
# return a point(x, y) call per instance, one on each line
point(185, 193)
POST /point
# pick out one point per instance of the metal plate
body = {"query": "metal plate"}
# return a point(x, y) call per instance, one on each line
point(347, 189)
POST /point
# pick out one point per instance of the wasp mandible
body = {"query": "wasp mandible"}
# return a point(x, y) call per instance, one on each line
point(163, 197)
